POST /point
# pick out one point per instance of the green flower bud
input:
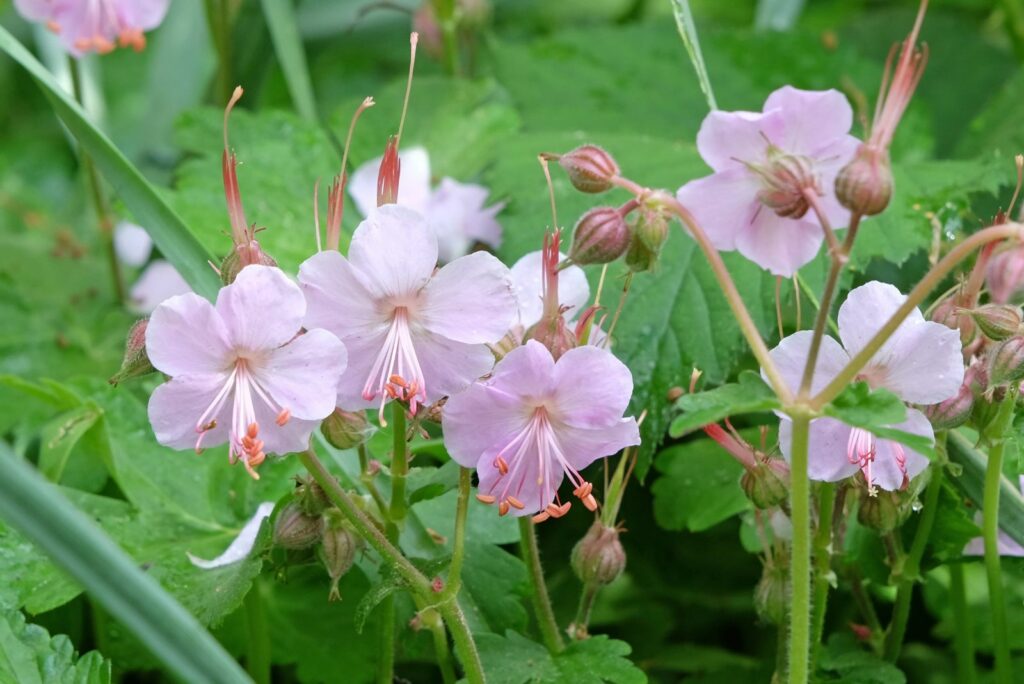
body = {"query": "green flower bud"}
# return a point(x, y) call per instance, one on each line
point(346, 429)
point(136, 361)
point(338, 550)
point(598, 558)
point(648, 235)
point(997, 322)
point(1006, 361)
point(771, 595)
point(767, 483)
point(295, 530)
point(865, 184)
point(882, 510)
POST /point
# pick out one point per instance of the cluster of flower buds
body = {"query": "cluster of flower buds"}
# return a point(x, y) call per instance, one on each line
point(136, 362)
point(598, 558)
point(1006, 361)
point(648, 233)
point(296, 529)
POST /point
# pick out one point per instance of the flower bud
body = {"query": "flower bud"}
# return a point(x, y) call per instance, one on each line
point(1006, 361)
point(136, 361)
point(599, 558)
point(1005, 274)
point(882, 510)
point(555, 335)
point(648, 235)
point(864, 186)
point(311, 497)
point(784, 180)
point(767, 483)
point(346, 429)
point(293, 529)
point(590, 168)
point(949, 313)
point(952, 412)
point(771, 596)
point(338, 550)
point(245, 254)
point(997, 321)
point(600, 237)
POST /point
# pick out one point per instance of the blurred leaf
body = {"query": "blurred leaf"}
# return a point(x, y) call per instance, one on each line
point(748, 395)
point(29, 655)
point(513, 659)
point(60, 436)
point(495, 589)
point(291, 55)
point(971, 483)
point(954, 526)
point(845, 660)
point(778, 15)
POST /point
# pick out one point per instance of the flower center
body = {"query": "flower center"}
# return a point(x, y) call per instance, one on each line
point(536, 443)
point(101, 20)
point(244, 390)
point(396, 372)
point(861, 449)
point(785, 181)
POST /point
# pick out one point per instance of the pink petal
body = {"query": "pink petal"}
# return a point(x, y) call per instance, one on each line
point(885, 471)
point(158, 282)
point(534, 489)
point(413, 187)
point(727, 139)
point(176, 406)
point(790, 357)
point(470, 300)
point(583, 446)
point(527, 274)
point(262, 309)
point(724, 204)
point(865, 310)
point(449, 366)
point(479, 420)
point(362, 351)
point(302, 376)
point(142, 14)
point(132, 244)
point(291, 438)
point(337, 300)
point(185, 336)
point(814, 119)
point(35, 10)
point(827, 460)
point(526, 371)
point(778, 244)
point(592, 388)
point(394, 252)
point(458, 217)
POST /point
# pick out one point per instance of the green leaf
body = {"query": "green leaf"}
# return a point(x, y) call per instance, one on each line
point(111, 576)
point(513, 659)
point(698, 486)
point(847, 661)
point(29, 655)
point(60, 436)
point(495, 589)
point(284, 32)
point(875, 410)
point(148, 208)
point(750, 394)
point(954, 526)
point(971, 483)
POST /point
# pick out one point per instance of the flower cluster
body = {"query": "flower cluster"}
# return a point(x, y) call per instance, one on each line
point(96, 25)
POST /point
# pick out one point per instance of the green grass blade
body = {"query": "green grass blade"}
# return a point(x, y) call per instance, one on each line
point(284, 32)
point(149, 209)
point(971, 483)
point(44, 515)
point(688, 32)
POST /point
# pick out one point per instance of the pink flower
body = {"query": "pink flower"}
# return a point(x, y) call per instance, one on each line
point(921, 363)
point(411, 333)
point(455, 211)
point(535, 420)
point(157, 282)
point(764, 163)
point(240, 371)
point(96, 25)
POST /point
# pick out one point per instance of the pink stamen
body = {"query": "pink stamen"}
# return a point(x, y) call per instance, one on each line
point(396, 372)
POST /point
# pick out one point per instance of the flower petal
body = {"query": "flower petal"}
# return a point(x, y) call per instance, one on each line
point(481, 420)
point(302, 376)
point(727, 139)
point(159, 281)
point(790, 357)
point(176, 406)
point(362, 352)
point(262, 309)
point(583, 446)
point(814, 119)
point(241, 545)
point(865, 310)
point(142, 14)
point(132, 244)
point(527, 276)
point(337, 300)
point(457, 215)
point(591, 388)
point(723, 203)
point(413, 190)
point(526, 371)
point(185, 335)
point(781, 245)
point(826, 452)
point(449, 366)
point(470, 300)
point(885, 471)
point(394, 252)
point(528, 484)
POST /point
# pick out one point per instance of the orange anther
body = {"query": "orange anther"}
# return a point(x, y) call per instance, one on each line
point(503, 508)
point(83, 44)
point(590, 502)
point(103, 46)
point(485, 498)
point(501, 465)
point(253, 430)
point(283, 417)
point(515, 503)
point(53, 26)
point(398, 380)
point(540, 517)
point(583, 491)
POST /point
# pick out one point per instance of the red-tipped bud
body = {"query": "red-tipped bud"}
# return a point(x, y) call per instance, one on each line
point(389, 174)
point(553, 334)
point(346, 429)
point(1006, 361)
point(136, 361)
point(864, 186)
point(767, 483)
point(771, 596)
point(294, 530)
point(785, 179)
point(997, 321)
point(245, 254)
point(952, 412)
point(882, 510)
point(590, 168)
point(600, 237)
point(599, 558)
point(338, 550)
point(647, 236)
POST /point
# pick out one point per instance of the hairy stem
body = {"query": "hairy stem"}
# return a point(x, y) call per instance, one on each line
point(257, 655)
point(541, 602)
point(800, 567)
point(963, 636)
point(444, 654)
point(459, 540)
point(395, 516)
point(581, 622)
point(822, 564)
point(990, 533)
point(465, 647)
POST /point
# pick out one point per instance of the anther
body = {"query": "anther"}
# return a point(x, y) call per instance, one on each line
point(503, 508)
point(515, 503)
point(485, 498)
point(253, 430)
point(283, 417)
point(540, 517)
point(502, 465)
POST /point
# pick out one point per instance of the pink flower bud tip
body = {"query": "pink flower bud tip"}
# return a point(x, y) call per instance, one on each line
point(600, 237)
point(590, 168)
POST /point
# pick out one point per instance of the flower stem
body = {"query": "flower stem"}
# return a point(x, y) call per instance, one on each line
point(386, 645)
point(99, 200)
point(465, 647)
point(990, 533)
point(367, 479)
point(445, 10)
point(916, 296)
point(541, 602)
point(579, 629)
point(257, 659)
point(963, 637)
point(459, 540)
point(800, 567)
point(444, 654)
point(399, 465)
point(822, 564)
point(909, 573)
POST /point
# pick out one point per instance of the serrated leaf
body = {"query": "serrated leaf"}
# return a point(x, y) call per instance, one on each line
point(875, 410)
point(599, 659)
point(514, 659)
point(748, 395)
point(29, 655)
point(495, 589)
point(851, 663)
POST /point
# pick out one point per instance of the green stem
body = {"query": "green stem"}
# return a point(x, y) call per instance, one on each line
point(399, 464)
point(367, 479)
point(800, 567)
point(386, 645)
point(445, 10)
point(444, 654)
point(580, 625)
point(541, 602)
point(99, 200)
point(257, 658)
point(465, 647)
point(963, 637)
point(822, 564)
point(909, 573)
point(459, 541)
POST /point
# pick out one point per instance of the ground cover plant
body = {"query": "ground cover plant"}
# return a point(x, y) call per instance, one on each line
point(511, 341)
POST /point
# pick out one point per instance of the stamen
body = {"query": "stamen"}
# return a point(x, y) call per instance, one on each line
point(515, 503)
point(283, 417)
point(485, 498)
point(503, 508)
point(396, 372)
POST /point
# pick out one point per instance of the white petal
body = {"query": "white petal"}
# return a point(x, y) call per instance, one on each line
point(159, 282)
point(790, 356)
point(413, 186)
point(395, 253)
point(262, 309)
point(132, 244)
point(241, 545)
point(470, 300)
point(527, 276)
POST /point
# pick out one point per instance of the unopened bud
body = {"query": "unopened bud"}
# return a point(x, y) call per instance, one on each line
point(864, 186)
point(882, 510)
point(296, 530)
point(785, 179)
point(555, 335)
point(647, 237)
point(246, 254)
point(950, 314)
point(1005, 274)
point(136, 361)
point(771, 596)
point(311, 497)
point(590, 168)
point(599, 558)
point(600, 237)
point(997, 321)
point(1006, 361)
point(389, 174)
point(767, 483)
point(952, 412)
point(338, 550)
point(346, 429)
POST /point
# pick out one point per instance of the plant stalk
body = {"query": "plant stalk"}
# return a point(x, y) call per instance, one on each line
point(257, 658)
point(541, 601)
point(822, 564)
point(963, 636)
point(800, 568)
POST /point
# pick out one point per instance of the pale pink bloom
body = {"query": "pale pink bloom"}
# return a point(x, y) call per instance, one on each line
point(1007, 545)
point(241, 546)
point(528, 281)
point(132, 244)
point(411, 332)
point(96, 25)
point(535, 421)
point(240, 371)
point(455, 211)
point(921, 363)
point(763, 162)
point(159, 281)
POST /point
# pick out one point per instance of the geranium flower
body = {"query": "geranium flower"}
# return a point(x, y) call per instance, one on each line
point(455, 211)
point(921, 363)
point(535, 421)
point(764, 163)
point(240, 371)
point(96, 25)
point(411, 333)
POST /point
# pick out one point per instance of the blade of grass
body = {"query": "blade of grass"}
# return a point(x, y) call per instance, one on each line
point(284, 33)
point(150, 210)
point(112, 578)
point(688, 32)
